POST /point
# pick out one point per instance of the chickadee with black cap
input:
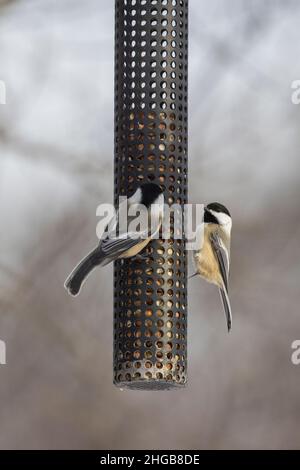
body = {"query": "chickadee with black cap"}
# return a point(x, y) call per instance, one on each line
point(118, 244)
point(212, 259)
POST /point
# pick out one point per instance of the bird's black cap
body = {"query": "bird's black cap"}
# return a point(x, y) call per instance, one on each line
point(217, 207)
point(211, 218)
point(150, 192)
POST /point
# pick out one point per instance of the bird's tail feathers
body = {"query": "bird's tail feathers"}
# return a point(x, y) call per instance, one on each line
point(227, 307)
point(81, 272)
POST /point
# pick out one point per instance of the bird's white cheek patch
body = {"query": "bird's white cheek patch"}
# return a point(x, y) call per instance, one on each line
point(223, 219)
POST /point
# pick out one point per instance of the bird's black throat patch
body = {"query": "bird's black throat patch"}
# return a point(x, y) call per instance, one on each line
point(209, 218)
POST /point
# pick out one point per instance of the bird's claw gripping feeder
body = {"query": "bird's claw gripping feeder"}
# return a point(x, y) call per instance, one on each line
point(151, 119)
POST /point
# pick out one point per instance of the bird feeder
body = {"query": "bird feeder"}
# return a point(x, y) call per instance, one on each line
point(151, 119)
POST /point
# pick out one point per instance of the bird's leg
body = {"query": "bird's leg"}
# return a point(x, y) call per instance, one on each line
point(193, 275)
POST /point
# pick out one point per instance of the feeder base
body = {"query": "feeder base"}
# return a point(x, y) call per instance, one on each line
point(150, 385)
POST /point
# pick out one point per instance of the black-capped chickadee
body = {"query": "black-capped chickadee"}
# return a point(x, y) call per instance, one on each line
point(118, 242)
point(213, 257)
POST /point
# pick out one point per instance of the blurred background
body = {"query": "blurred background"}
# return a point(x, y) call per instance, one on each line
point(56, 166)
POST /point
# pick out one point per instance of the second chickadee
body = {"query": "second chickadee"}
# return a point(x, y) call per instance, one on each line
point(212, 259)
point(124, 244)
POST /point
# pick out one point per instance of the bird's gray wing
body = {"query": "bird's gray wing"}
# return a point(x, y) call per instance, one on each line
point(118, 240)
point(222, 257)
point(113, 248)
point(223, 261)
point(120, 223)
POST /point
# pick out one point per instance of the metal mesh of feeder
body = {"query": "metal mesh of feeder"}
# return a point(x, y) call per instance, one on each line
point(150, 296)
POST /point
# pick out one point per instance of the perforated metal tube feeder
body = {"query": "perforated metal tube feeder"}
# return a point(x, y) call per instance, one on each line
point(151, 85)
